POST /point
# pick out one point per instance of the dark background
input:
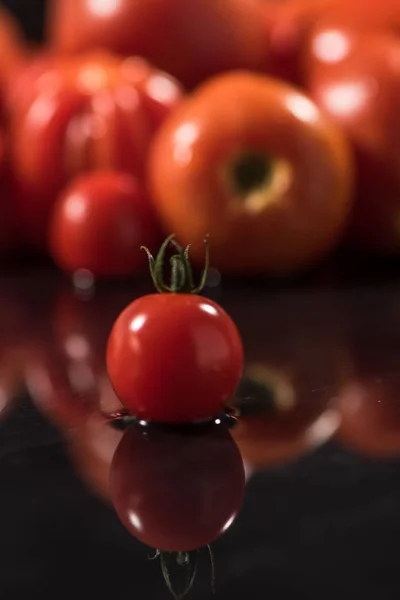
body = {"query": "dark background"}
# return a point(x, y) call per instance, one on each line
point(30, 14)
point(325, 527)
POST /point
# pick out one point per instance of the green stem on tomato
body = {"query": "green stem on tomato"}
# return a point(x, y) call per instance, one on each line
point(181, 270)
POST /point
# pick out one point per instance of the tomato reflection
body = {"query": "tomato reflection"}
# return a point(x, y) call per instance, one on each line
point(281, 419)
point(177, 490)
point(370, 417)
point(92, 446)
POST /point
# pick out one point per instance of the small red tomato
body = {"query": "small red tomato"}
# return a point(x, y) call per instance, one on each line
point(254, 163)
point(174, 357)
point(99, 224)
point(72, 115)
point(177, 491)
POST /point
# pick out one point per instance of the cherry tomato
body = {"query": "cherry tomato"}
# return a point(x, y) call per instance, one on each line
point(177, 491)
point(204, 36)
point(370, 417)
point(81, 114)
point(358, 86)
point(174, 358)
point(254, 163)
point(99, 224)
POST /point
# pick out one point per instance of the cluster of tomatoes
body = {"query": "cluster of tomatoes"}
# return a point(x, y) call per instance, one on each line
point(271, 126)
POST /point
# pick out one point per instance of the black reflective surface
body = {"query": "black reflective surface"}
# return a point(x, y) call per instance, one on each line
point(320, 440)
point(320, 444)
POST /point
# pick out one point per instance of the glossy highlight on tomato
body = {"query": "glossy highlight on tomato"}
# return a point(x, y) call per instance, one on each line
point(174, 358)
point(177, 491)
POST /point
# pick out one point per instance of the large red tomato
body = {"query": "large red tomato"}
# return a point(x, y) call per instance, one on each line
point(100, 223)
point(81, 114)
point(189, 39)
point(254, 163)
point(358, 85)
point(177, 490)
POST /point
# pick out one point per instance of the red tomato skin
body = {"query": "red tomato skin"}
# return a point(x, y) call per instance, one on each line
point(298, 217)
point(100, 222)
point(174, 358)
point(71, 115)
point(360, 91)
point(292, 24)
point(203, 37)
point(177, 491)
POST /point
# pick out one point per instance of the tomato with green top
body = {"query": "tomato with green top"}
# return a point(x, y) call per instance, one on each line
point(174, 357)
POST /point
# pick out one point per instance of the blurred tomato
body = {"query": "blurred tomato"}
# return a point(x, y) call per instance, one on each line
point(177, 490)
point(254, 163)
point(291, 26)
point(355, 78)
point(363, 15)
point(79, 114)
point(100, 223)
point(189, 39)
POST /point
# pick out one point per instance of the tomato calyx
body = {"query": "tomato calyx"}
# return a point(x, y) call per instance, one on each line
point(251, 172)
point(181, 271)
point(189, 561)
